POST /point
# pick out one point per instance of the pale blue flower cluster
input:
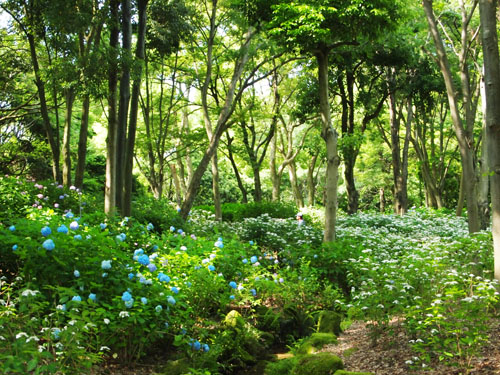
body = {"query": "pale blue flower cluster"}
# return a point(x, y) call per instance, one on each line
point(46, 231)
point(143, 259)
point(106, 264)
point(49, 245)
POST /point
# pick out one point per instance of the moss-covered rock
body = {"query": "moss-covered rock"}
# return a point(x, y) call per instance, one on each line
point(329, 322)
point(318, 364)
point(344, 372)
point(281, 367)
point(315, 342)
point(177, 367)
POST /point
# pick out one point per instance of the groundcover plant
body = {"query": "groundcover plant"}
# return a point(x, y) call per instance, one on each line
point(78, 288)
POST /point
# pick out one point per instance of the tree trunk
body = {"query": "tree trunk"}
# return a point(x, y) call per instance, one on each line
point(222, 125)
point(134, 108)
point(66, 147)
point(488, 9)
point(381, 195)
point(82, 142)
point(352, 192)
point(484, 177)
point(275, 177)
point(216, 187)
point(110, 185)
point(332, 160)
point(177, 184)
point(292, 173)
point(54, 147)
point(464, 141)
point(311, 183)
point(242, 188)
point(121, 131)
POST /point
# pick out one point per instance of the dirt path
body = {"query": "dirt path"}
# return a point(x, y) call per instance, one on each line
point(390, 354)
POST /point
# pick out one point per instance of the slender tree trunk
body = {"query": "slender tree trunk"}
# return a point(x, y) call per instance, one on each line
point(177, 184)
point(332, 159)
point(134, 109)
point(275, 177)
point(242, 188)
point(121, 132)
point(54, 147)
point(66, 148)
point(381, 194)
point(352, 192)
point(484, 177)
point(216, 187)
point(292, 172)
point(488, 11)
point(82, 142)
point(464, 141)
point(110, 185)
point(311, 183)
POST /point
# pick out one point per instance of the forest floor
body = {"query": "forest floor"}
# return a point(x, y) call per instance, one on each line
point(389, 354)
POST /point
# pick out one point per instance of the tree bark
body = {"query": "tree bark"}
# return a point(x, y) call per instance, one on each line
point(66, 147)
point(332, 159)
point(134, 109)
point(465, 142)
point(292, 173)
point(110, 184)
point(124, 101)
point(311, 182)
point(82, 142)
point(488, 9)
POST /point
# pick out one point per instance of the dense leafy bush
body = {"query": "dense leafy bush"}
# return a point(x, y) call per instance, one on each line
point(238, 211)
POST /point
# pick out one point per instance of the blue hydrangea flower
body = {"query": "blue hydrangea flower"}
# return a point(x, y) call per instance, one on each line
point(74, 225)
point(121, 237)
point(152, 267)
point(163, 278)
point(253, 259)
point(171, 300)
point(46, 231)
point(103, 226)
point(126, 296)
point(76, 273)
point(76, 298)
point(131, 276)
point(14, 247)
point(251, 242)
point(106, 264)
point(254, 292)
point(211, 268)
point(233, 285)
point(49, 245)
point(129, 304)
point(77, 237)
point(12, 228)
point(196, 345)
point(175, 290)
point(55, 333)
point(206, 348)
point(231, 296)
point(219, 244)
point(158, 308)
point(180, 231)
point(92, 296)
point(143, 259)
point(172, 229)
point(245, 261)
point(150, 226)
point(62, 229)
point(69, 215)
point(144, 300)
point(61, 307)
point(137, 253)
point(104, 274)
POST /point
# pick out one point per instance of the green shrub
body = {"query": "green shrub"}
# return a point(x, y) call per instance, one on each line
point(240, 211)
point(329, 322)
